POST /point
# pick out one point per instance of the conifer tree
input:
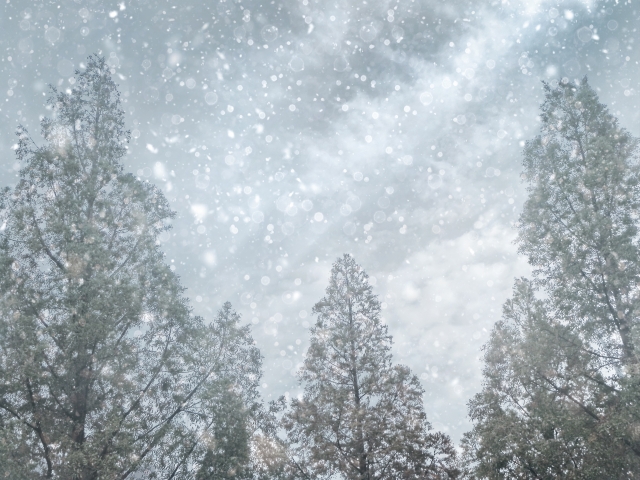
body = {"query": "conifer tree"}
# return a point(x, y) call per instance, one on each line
point(104, 370)
point(561, 368)
point(361, 417)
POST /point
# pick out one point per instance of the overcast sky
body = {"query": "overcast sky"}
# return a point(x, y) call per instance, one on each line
point(287, 133)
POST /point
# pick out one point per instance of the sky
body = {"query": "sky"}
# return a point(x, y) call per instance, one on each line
point(285, 134)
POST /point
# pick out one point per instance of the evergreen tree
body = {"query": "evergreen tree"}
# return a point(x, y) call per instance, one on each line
point(561, 370)
point(104, 371)
point(361, 418)
point(228, 445)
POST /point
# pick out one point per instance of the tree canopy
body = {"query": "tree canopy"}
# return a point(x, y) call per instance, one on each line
point(104, 370)
point(361, 417)
point(561, 368)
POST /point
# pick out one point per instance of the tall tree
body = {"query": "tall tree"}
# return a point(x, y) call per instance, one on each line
point(104, 370)
point(360, 418)
point(561, 374)
point(228, 451)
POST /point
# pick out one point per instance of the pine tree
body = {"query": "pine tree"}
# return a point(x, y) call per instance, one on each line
point(561, 369)
point(361, 418)
point(104, 370)
point(228, 451)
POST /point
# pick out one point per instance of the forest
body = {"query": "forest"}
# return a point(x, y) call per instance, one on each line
point(106, 372)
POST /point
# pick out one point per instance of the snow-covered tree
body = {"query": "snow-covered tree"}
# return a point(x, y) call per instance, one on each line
point(561, 375)
point(361, 417)
point(104, 370)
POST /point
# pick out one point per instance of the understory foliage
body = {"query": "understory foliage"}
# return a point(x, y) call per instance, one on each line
point(561, 376)
point(360, 417)
point(104, 370)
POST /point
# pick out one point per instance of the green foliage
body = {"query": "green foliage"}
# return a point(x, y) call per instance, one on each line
point(361, 417)
point(104, 371)
point(561, 369)
point(228, 442)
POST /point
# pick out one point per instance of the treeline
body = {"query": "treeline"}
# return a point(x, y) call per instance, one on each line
point(105, 373)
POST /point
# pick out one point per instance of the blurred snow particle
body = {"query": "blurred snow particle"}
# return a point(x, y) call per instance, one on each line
point(233, 229)
point(340, 64)
point(202, 181)
point(265, 280)
point(318, 216)
point(568, 14)
point(411, 293)
point(353, 201)
point(357, 176)
point(307, 205)
point(434, 181)
point(65, 68)
point(553, 13)
point(469, 73)
point(468, 97)
point(211, 98)
point(349, 228)
point(52, 34)
point(229, 159)
point(407, 159)
point(379, 216)
point(345, 210)
point(345, 107)
point(257, 217)
point(151, 148)
point(159, 171)
point(210, 258)
point(368, 33)
point(269, 33)
point(199, 211)
point(146, 64)
point(612, 25)
point(290, 297)
point(585, 34)
point(296, 64)
point(446, 83)
point(287, 228)
point(368, 138)
point(292, 108)
point(201, 229)
point(397, 33)
point(491, 64)
point(191, 83)
point(291, 210)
